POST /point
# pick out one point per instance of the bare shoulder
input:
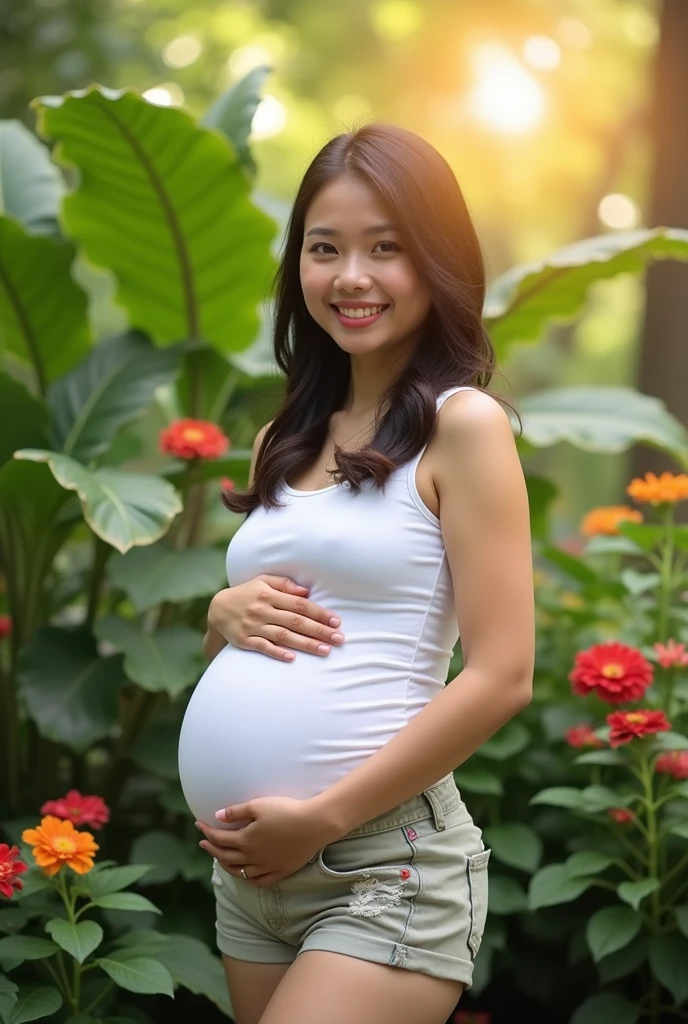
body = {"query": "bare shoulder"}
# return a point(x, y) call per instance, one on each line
point(467, 410)
point(474, 432)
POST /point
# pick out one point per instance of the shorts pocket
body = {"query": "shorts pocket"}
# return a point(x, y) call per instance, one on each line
point(386, 851)
point(478, 892)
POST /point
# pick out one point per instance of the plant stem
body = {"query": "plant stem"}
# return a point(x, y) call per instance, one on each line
point(101, 553)
point(101, 995)
point(653, 871)
point(665, 581)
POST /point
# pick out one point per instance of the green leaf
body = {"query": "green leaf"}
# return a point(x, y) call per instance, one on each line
point(512, 739)
point(42, 309)
point(587, 862)
point(169, 660)
point(109, 389)
point(126, 901)
point(644, 535)
point(505, 895)
point(143, 941)
point(553, 885)
point(192, 965)
point(682, 919)
point(602, 419)
point(232, 112)
point(26, 947)
point(572, 566)
point(165, 852)
point(478, 780)
point(606, 1008)
point(603, 757)
point(515, 844)
point(104, 881)
point(670, 741)
point(680, 830)
point(78, 939)
point(31, 186)
point(560, 796)
point(189, 250)
point(668, 959)
point(34, 1003)
point(157, 750)
point(70, 691)
point(140, 974)
point(159, 573)
point(635, 892)
point(541, 495)
point(24, 417)
point(524, 300)
point(8, 998)
point(601, 798)
point(681, 790)
point(611, 929)
point(123, 509)
point(625, 961)
point(638, 582)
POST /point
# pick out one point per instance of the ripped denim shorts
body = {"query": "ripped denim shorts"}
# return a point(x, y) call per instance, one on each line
point(408, 889)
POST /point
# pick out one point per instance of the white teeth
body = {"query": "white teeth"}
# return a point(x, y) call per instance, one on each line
point(356, 314)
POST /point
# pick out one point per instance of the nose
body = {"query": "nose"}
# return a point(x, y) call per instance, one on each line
point(351, 276)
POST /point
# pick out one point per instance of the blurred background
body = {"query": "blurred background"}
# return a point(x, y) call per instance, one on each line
point(561, 118)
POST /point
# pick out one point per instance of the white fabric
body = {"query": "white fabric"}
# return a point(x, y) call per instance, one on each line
point(256, 726)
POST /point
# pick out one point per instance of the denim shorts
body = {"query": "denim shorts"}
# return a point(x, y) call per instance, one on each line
point(407, 888)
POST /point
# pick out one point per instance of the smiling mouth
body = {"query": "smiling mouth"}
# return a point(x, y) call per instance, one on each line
point(356, 313)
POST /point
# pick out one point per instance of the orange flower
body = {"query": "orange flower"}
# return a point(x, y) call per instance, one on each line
point(81, 810)
point(10, 868)
point(615, 672)
point(666, 489)
point(193, 439)
point(630, 725)
point(671, 655)
point(674, 762)
point(57, 842)
point(607, 518)
point(621, 815)
point(582, 736)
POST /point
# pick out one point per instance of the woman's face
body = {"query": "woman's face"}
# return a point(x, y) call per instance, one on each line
point(358, 282)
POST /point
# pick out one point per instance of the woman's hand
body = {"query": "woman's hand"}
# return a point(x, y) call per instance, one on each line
point(282, 836)
point(270, 614)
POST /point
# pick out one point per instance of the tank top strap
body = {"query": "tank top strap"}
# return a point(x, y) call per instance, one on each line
point(413, 464)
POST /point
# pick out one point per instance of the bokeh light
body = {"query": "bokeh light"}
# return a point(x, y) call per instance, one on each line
point(168, 94)
point(269, 119)
point(506, 97)
point(396, 20)
point(542, 52)
point(617, 210)
point(574, 33)
point(245, 59)
point(182, 51)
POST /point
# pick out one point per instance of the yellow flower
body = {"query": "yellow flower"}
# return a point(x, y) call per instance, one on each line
point(668, 488)
point(57, 842)
point(607, 518)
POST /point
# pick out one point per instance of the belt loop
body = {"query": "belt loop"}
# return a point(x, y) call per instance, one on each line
point(435, 804)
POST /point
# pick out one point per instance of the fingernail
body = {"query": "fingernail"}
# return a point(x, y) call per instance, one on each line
point(334, 621)
point(337, 637)
point(323, 648)
point(198, 826)
point(221, 815)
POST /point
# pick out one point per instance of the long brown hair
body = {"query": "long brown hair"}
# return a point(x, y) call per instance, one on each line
point(419, 187)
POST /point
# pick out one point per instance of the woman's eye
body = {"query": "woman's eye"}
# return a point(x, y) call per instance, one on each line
point(314, 248)
point(395, 247)
point(317, 248)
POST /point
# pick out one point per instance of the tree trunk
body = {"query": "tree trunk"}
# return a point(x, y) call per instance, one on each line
point(663, 357)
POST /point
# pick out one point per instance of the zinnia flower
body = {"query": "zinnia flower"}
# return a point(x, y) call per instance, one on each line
point(57, 842)
point(193, 439)
point(674, 762)
point(614, 672)
point(81, 810)
point(621, 815)
point(582, 736)
point(671, 655)
point(5, 626)
point(629, 725)
point(10, 867)
point(605, 520)
point(665, 489)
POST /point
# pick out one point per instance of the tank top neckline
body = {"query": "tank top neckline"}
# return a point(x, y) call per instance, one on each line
point(332, 487)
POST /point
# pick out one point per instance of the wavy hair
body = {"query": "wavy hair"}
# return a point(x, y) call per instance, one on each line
point(420, 188)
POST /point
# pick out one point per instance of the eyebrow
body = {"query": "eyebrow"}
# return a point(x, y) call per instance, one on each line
point(377, 229)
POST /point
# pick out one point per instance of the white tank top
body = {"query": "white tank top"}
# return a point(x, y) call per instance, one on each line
point(256, 726)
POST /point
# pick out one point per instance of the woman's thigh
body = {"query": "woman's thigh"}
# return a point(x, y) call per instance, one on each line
point(323, 986)
point(251, 986)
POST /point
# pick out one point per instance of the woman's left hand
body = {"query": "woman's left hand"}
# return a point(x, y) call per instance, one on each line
point(282, 836)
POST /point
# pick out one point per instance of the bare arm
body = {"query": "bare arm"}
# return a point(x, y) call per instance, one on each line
point(213, 641)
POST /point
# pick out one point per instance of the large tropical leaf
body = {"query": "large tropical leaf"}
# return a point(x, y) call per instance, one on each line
point(42, 310)
point(232, 112)
point(602, 419)
point(111, 387)
point(31, 186)
point(24, 418)
point(70, 691)
point(159, 573)
point(169, 659)
point(522, 302)
point(124, 509)
point(164, 203)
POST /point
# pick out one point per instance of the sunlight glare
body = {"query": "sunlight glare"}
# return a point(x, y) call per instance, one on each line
point(182, 51)
point(167, 95)
point(246, 58)
point(269, 119)
point(542, 52)
point(574, 33)
point(505, 97)
point(618, 211)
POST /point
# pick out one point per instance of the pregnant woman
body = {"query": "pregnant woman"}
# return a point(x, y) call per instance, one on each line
point(387, 513)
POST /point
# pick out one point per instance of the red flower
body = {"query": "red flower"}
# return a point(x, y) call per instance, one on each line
point(467, 1017)
point(582, 736)
point(672, 654)
point(629, 725)
point(10, 867)
point(80, 810)
point(674, 762)
point(614, 672)
point(5, 626)
point(226, 484)
point(621, 815)
point(193, 439)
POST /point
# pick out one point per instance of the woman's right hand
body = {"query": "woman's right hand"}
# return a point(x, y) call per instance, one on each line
point(271, 614)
